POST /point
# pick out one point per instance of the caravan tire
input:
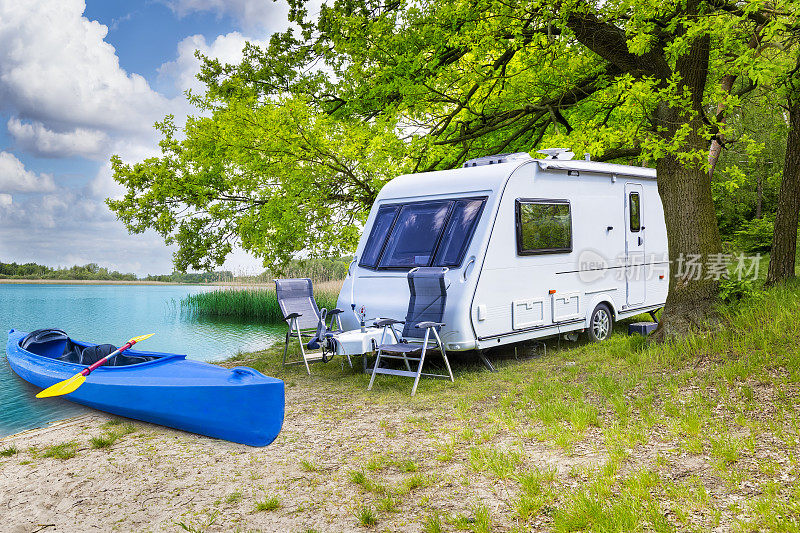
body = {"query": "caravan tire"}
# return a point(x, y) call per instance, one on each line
point(601, 323)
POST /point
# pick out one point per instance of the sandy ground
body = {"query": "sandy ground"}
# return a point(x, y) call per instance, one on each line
point(156, 478)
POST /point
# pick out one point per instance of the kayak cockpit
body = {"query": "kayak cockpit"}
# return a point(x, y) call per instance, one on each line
point(56, 344)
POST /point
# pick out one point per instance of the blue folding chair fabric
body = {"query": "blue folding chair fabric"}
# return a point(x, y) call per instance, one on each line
point(305, 320)
point(426, 305)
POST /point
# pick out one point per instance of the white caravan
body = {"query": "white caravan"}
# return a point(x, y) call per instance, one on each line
point(534, 247)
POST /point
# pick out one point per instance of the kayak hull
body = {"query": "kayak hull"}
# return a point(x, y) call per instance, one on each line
point(239, 404)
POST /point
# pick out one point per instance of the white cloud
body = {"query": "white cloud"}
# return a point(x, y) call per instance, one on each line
point(56, 68)
point(14, 177)
point(5, 201)
point(183, 71)
point(36, 138)
point(251, 14)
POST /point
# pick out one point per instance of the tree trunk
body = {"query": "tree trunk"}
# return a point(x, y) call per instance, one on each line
point(716, 144)
point(784, 237)
point(759, 195)
point(689, 213)
point(693, 235)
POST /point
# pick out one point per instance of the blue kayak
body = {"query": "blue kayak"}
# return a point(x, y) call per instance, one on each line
point(238, 404)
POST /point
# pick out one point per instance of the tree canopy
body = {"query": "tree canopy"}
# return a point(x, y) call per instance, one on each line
point(276, 177)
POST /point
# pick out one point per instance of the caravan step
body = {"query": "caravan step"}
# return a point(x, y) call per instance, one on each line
point(642, 328)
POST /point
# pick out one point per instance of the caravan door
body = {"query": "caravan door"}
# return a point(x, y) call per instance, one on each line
point(634, 245)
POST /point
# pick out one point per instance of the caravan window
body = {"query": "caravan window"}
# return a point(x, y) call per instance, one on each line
point(415, 234)
point(380, 229)
point(635, 211)
point(459, 232)
point(430, 233)
point(543, 226)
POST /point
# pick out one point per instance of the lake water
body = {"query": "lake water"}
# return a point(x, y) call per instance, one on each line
point(110, 314)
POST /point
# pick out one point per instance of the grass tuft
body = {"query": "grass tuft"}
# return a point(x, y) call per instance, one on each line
point(367, 517)
point(63, 451)
point(406, 466)
point(108, 439)
point(8, 451)
point(308, 466)
point(388, 504)
point(104, 441)
point(233, 497)
point(433, 524)
point(268, 504)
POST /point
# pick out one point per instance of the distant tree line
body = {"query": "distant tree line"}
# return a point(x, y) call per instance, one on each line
point(91, 271)
point(318, 269)
point(192, 277)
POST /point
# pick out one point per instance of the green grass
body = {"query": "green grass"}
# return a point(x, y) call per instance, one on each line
point(406, 466)
point(389, 504)
point(308, 466)
point(8, 451)
point(253, 303)
point(269, 504)
point(501, 464)
point(116, 429)
point(233, 497)
point(63, 451)
point(365, 482)
point(537, 492)
point(366, 516)
point(105, 440)
point(666, 427)
point(432, 524)
point(416, 481)
point(479, 522)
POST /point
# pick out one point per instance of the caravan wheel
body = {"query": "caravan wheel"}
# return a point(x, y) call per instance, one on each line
point(600, 323)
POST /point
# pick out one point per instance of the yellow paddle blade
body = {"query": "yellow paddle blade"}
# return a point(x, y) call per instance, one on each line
point(141, 337)
point(63, 387)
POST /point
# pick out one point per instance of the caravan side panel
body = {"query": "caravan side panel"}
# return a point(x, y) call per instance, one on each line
point(523, 295)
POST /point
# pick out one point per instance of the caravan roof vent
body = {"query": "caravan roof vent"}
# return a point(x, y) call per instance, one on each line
point(496, 159)
point(557, 153)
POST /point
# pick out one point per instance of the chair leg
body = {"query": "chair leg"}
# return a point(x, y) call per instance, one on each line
point(421, 361)
point(444, 355)
point(405, 360)
point(377, 363)
point(286, 347)
point(302, 350)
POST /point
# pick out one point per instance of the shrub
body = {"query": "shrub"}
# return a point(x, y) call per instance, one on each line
point(755, 235)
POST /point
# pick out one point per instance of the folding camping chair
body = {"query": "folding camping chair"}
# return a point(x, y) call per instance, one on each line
point(307, 321)
point(424, 316)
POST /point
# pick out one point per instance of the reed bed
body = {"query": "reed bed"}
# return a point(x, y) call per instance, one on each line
point(256, 303)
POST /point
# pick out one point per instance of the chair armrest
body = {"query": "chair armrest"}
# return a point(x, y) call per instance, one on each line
point(335, 312)
point(426, 325)
point(388, 322)
point(292, 315)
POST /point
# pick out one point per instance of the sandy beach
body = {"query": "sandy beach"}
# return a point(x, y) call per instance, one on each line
point(155, 478)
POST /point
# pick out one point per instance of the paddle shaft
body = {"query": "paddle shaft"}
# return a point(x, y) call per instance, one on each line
point(105, 359)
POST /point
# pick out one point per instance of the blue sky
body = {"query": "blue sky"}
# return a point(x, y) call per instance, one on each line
point(80, 81)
